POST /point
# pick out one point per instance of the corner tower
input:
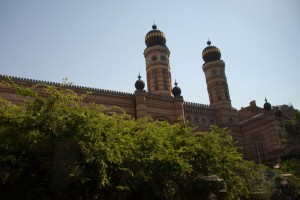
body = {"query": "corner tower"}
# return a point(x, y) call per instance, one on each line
point(214, 70)
point(157, 63)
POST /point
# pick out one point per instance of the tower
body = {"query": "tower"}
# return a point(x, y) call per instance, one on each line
point(214, 70)
point(157, 63)
point(217, 87)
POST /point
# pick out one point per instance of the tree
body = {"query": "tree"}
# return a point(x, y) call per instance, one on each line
point(292, 127)
point(54, 145)
point(288, 180)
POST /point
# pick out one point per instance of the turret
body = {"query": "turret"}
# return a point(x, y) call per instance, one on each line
point(157, 63)
point(214, 70)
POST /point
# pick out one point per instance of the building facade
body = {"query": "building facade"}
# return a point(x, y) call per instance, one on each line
point(256, 130)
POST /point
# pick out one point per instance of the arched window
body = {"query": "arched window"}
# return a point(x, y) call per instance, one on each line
point(188, 119)
point(156, 79)
point(196, 121)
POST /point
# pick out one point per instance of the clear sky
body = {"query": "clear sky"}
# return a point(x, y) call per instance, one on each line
point(100, 44)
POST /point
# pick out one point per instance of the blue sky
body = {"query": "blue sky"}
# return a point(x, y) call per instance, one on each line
point(100, 44)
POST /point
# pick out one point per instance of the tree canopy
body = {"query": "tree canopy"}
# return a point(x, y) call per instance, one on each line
point(55, 145)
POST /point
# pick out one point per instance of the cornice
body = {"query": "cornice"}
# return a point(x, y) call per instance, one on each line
point(213, 64)
point(155, 49)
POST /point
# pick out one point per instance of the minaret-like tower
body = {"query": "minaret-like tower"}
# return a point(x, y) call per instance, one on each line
point(157, 63)
point(214, 69)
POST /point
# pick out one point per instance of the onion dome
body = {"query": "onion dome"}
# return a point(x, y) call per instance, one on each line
point(176, 91)
point(267, 105)
point(139, 84)
point(211, 53)
point(155, 37)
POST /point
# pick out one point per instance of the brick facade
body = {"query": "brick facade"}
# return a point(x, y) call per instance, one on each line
point(256, 131)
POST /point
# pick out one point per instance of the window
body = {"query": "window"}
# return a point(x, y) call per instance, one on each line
point(196, 120)
point(154, 58)
point(163, 58)
point(188, 119)
point(156, 83)
point(156, 79)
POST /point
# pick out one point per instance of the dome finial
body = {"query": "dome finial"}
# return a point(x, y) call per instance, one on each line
point(139, 84)
point(208, 42)
point(154, 27)
point(176, 91)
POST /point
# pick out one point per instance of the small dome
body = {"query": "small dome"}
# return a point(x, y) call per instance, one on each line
point(211, 53)
point(139, 84)
point(267, 105)
point(176, 91)
point(155, 37)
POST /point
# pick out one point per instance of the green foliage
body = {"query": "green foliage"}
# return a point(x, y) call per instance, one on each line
point(292, 127)
point(291, 166)
point(290, 163)
point(57, 146)
point(288, 181)
point(287, 186)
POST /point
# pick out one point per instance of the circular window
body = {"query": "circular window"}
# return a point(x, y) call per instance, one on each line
point(163, 58)
point(154, 58)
